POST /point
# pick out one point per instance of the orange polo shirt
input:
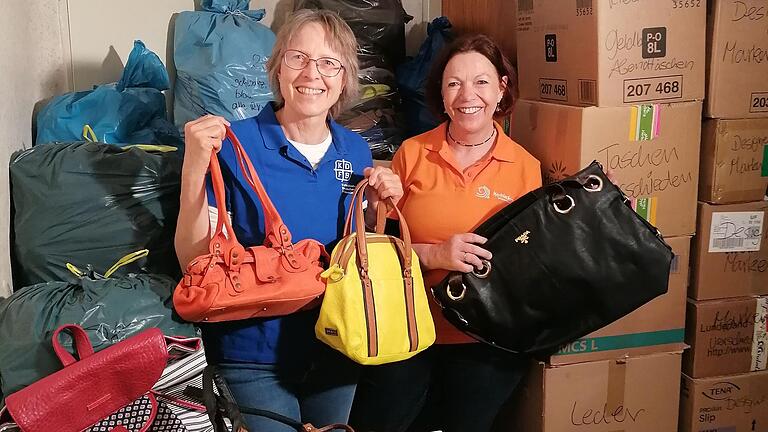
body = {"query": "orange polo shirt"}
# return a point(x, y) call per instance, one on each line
point(441, 200)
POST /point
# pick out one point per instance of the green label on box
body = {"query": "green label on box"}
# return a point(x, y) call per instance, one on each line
point(764, 172)
point(642, 208)
point(646, 122)
point(634, 340)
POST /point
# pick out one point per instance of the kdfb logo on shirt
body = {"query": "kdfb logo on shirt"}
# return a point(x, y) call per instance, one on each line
point(343, 170)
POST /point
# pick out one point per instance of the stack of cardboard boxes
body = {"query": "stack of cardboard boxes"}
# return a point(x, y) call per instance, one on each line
point(725, 382)
point(620, 82)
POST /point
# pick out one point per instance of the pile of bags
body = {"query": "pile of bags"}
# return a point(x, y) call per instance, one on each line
point(130, 111)
point(379, 26)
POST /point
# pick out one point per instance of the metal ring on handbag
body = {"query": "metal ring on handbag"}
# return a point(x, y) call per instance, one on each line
point(564, 210)
point(455, 297)
point(484, 271)
point(593, 184)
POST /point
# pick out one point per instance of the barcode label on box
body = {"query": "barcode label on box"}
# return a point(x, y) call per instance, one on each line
point(524, 6)
point(553, 89)
point(583, 7)
point(758, 102)
point(731, 243)
point(736, 232)
point(760, 340)
point(653, 89)
point(587, 92)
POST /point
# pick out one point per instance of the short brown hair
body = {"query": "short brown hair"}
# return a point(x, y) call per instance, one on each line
point(341, 40)
point(480, 44)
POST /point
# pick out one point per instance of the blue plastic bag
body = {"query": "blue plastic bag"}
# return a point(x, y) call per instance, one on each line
point(221, 54)
point(412, 76)
point(130, 111)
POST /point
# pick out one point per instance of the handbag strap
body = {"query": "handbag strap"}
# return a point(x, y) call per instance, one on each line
point(405, 254)
point(275, 230)
point(356, 209)
point(276, 233)
point(381, 215)
point(81, 344)
point(223, 219)
point(223, 405)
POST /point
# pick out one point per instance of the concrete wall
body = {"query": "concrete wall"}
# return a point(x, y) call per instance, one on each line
point(34, 59)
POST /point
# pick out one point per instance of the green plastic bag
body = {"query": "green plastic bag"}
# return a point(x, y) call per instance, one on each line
point(110, 308)
point(89, 202)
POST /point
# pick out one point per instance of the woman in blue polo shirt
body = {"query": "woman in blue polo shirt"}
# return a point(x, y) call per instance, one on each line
point(309, 165)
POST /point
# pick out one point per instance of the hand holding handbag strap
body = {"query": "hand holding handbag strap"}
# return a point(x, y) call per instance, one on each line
point(276, 232)
point(404, 252)
point(356, 207)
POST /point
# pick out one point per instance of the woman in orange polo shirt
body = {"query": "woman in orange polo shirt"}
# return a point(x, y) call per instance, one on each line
point(454, 177)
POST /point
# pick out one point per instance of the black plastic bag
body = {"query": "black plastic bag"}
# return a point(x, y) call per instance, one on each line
point(379, 27)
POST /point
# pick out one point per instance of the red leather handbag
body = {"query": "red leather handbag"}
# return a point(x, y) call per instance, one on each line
point(232, 282)
point(105, 391)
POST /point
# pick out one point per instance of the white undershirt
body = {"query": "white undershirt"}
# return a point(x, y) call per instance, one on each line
point(313, 152)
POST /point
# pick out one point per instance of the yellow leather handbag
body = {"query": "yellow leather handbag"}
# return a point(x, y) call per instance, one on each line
point(375, 307)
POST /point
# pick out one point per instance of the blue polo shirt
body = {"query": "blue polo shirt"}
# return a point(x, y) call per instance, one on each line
point(312, 203)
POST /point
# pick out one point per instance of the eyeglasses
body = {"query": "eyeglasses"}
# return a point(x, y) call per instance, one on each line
point(326, 66)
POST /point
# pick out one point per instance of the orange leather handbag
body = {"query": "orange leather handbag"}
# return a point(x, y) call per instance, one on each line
point(233, 282)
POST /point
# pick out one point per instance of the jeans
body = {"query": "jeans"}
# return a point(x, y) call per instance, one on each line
point(453, 388)
point(318, 391)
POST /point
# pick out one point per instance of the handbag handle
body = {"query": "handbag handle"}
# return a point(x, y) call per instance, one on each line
point(381, 216)
point(222, 405)
point(81, 343)
point(276, 233)
point(273, 223)
point(356, 208)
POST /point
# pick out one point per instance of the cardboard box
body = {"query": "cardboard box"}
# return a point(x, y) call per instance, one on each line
point(736, 403)
point(638, 394)
point(652, 149)
point(730, 251)
point(495, 18)
point(384, 163)
point(611, 52)
point(657, 326)
point(726, 337)
point(732, 160)
point(737, 59)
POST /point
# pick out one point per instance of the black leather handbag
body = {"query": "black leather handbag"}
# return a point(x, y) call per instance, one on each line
point(568, 259)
